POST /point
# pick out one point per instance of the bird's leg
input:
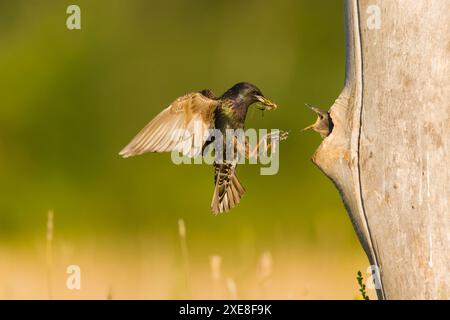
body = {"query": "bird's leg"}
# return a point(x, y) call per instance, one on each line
point(280, 136)
point(275, 138)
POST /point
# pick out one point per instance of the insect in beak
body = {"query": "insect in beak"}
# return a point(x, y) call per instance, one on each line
point(268, 105)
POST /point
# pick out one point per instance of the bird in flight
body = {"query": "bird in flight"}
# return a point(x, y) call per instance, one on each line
point(194, 115)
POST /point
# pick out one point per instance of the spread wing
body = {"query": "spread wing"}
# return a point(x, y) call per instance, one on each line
point(183, 126)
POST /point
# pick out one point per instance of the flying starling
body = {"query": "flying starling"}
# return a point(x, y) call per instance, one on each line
point(195, 114)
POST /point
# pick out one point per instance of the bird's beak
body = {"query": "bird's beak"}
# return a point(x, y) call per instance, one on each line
point(320, 115)
point(323, 124)
point(269, 105)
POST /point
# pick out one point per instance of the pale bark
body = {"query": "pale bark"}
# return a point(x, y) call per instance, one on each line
point(389, 150)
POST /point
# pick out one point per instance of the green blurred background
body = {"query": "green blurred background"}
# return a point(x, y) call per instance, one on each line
point(70, 100)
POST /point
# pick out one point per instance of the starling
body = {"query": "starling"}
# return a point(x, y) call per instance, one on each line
point(195, 114)
point(323, 124)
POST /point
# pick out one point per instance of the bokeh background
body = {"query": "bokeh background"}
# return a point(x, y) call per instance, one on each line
point(70, 100)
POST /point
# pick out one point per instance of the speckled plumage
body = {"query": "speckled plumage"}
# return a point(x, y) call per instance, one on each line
point(194, 114)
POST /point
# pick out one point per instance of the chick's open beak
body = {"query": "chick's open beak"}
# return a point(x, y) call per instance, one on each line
point(269, 105)
point(323, 124)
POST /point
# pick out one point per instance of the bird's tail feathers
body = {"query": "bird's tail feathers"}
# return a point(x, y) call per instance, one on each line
point(227, 193)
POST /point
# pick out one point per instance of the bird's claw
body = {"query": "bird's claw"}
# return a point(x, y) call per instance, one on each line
point(279, 135)
point(283, 135)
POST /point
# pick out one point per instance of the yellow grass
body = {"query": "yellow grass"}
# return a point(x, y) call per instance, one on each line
point(155, 271)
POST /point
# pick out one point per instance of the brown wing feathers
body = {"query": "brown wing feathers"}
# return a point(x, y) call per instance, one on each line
point(186, 120)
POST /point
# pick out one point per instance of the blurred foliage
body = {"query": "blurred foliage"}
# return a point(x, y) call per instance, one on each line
point(72, 99)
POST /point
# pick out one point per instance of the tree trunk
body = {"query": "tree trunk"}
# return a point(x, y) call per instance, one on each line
point(388, 151)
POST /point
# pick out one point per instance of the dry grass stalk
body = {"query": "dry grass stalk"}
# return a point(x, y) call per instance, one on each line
point(185, 254)
point(49, 252)
point(232, 289)
point(264, 272)
point(215, 262)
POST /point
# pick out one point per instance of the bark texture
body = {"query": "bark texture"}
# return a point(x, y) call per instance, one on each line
point(389, 150)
